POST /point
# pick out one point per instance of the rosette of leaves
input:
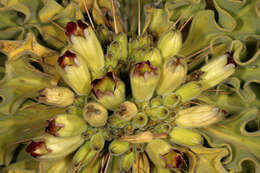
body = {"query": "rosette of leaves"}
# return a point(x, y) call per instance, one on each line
point(32, 36)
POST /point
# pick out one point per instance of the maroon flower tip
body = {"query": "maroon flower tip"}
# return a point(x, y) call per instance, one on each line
point(178, 161)
point(145, 68)
point(52, 127)
point(71, 28)
point(67, 54)
point(82, 25)
point(33, 146)
point(230, 59)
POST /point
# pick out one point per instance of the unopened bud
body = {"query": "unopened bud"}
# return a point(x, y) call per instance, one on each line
point(74, 72)
point(170, 43)
point(173, 74)
point(159, 113)
point(64, 125)
point(171, 100)
point(127, 161)
point(189, 91)
point(140, 120)
point(153, 55)
point(186, 137)
point(57, 96)
point(163, 154)
point(121, 38)
point(95, 114)
point(84, 155)
point(97, 142)
point(199, 116)
point(144, 78)
point(50, 147)
point(118, 147)
point(126, 111)
point(109, 91)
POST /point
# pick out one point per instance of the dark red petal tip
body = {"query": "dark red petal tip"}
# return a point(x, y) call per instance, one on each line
point(230, 59)
point(33, 146)
point(67, 54)
point(82, 25)
point(71, 28)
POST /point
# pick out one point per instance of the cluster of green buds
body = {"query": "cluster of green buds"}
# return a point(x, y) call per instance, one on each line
point(134, 106)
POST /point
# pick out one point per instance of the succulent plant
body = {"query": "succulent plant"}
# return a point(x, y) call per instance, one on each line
point(108, 86)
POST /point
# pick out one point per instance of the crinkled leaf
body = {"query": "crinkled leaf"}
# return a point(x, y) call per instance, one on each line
point(232, 133)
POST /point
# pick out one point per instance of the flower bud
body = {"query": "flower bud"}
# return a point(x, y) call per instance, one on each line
point(163, 128)
point(159, 113)
point(110, 61)
point(163, 155)
point(170, 43)
point(156, 101)
point(116, 122)
point(95, 114)
point(85, 43)
point(118, 147)
point(115, 49)
point(74, 72)
point(144, 78)
point(140, 120)
point(173, 74)
point(126, 111)
point(127, 161)
point(56, 96)
point(50, 147)
point(64, 125)
point(97, 142)
point(171, 100)
point(186, 137)
point(217, 71)
point(109, 91)
point(121, 38)
point(84, 155)
point(189, 91)
point(153, 55)
point(199, 116)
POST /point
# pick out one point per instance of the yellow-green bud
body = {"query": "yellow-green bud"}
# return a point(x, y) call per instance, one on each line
point(170, 43)
point(64, 125)
point(110, 61)
point(57, 96)
point(118, 147)
point(163, 128)
point(186, 137)
point(97, 142)
point(95, 114)
point(126, 111)
point(127, 161)
point(199, 116)
point(189, 91)
point(173, 74)
point(171, 100)
point(84, 155)
point(121, 38)
point(116, 122)
point(153, 55)
point(144, 78)
point(163, 155)
point(74, 71)
point(85, 43)
point(49, 147)
point(109, 91)
point(159, 113)
point(140, 120)
point(217, 71)
point(115, 49)
point(156, 101)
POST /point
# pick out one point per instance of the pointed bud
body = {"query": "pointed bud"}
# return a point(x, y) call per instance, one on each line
point(56, 96)
point(95, 114)
point(109, 91)
point(186, 137)
point(65, 125)
point(97, 142)
point(173, 74)
point(163, 155)
point(127, 161)
point(74, 72)
point(199, 116)
point(84, 155)
point(153, 55)
point(50, 147)
point(118, 147)
point(85, 43)
point(170, 43)
point(115, 49)
point(217, 71)
point(126, 111)
point(189, 91)
point(140, 120)
point(121, 38)
point(144, 78)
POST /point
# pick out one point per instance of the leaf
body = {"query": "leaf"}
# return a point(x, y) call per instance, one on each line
point(232, 133)
point(26, 123)
point(21, 81)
